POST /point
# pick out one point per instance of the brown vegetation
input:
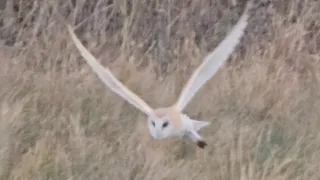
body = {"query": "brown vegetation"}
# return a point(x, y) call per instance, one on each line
point(58, 121)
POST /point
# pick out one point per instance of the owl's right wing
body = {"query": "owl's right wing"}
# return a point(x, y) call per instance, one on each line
point(109, 79)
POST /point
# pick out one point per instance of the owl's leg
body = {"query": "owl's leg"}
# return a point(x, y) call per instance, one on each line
point(196, 138)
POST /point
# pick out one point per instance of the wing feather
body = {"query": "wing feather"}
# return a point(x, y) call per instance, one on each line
point(109, 79)
point(213, 62)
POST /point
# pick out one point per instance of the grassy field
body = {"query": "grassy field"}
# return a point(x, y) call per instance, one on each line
point(58, 121)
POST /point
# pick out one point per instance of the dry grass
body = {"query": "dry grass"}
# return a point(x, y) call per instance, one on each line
point(58, 121)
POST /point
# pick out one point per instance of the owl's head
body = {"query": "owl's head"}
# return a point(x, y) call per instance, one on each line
point(160, 127)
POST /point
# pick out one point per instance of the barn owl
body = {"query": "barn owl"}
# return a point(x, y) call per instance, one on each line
point(170, 122)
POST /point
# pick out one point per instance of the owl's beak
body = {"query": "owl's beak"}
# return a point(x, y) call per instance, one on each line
point(158, 136)
point(155, 136)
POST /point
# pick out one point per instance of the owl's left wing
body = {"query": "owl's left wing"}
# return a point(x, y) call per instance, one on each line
point(213, 61)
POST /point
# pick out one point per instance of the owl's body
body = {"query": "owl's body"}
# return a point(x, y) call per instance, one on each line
point(170, 122)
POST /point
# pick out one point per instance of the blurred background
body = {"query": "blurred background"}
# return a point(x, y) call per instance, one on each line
point(59, 121)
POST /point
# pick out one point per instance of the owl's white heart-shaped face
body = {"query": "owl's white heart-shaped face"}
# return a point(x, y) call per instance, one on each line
point(160, 128)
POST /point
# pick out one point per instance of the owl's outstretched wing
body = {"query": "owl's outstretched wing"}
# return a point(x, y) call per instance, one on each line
point(109, 79)
point(213, 62)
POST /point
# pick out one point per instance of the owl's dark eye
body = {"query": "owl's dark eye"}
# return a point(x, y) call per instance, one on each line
point(165, 124)
point(153, 123)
